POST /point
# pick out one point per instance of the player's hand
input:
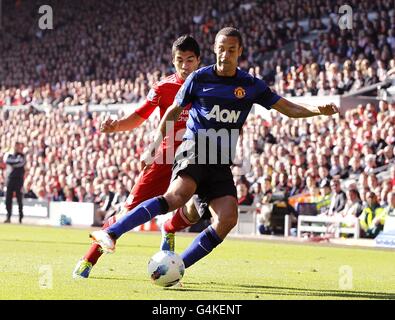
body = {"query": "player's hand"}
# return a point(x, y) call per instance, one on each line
point(328, 109)
point(147, 158)
point(109, 125)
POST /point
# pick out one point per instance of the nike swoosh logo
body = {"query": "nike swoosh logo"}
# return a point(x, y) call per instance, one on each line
point(207, 89)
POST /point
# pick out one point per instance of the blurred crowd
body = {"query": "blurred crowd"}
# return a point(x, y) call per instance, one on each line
point(68, 159)
point(327, 160)
point(104, 52)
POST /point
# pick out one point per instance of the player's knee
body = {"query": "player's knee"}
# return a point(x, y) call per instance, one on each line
point(228, 221)
point(175, 201)
point(192, 218)
point(191, 213)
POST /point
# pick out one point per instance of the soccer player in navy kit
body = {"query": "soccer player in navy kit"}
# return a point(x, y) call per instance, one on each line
point(222, 96)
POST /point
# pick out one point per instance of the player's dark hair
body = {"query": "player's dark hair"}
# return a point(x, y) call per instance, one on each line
point(230, 32)
point(186, 43)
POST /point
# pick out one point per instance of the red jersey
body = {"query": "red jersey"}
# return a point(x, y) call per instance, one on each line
point(155, 181)
point(162, 95)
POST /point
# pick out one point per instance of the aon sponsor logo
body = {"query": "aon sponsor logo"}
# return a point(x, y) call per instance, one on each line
point(225, 115)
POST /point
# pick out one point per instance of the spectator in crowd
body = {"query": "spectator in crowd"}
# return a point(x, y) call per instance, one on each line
point(335, 166)
point(373, 183)
point(282, 186)
point(29, 193)
point(243, 195)
point(370, 163)
point(354, 205)
point(385, 189)
point(311, 187)
point(344, 166)
point(42, 195)
point(385, 156)
point(390, 208)
point(57, 195)
point(356, 166)
point(296, 186)
point(265, 207)
point(120, 196)
point(372, 217)
point(69, 194)
point(324, 201)
point(371, 77)
point(81, 194)
point(90, 192)
point(377, 144)
point(105, 200)
point(256, 190)
point(338, 199)
point(121, 193)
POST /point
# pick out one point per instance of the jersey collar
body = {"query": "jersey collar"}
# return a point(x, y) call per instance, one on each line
point(179, 79)
point(214, 69)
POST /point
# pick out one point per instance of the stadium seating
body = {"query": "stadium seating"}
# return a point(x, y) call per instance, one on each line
point(64, 79)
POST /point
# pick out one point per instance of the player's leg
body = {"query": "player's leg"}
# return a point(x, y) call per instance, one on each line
point(84, 266)
point(8, 202)
point(95, 251)
point(152, 182)
point(19, 198)
point(185, 178)
point(178, 194)
point(183, 218)
point(225, 215)
point(179, 221)
point(219, 191)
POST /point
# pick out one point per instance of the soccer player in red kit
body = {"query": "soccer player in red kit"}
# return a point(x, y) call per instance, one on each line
point(155, 179)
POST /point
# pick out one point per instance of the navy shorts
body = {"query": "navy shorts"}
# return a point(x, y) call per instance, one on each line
point(213, 180)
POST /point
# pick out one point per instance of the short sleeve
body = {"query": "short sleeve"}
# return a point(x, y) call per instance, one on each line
point(185, 95)
point(150, 104)
point(265, 97)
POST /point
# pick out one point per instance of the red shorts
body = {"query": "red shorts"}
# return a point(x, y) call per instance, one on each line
point(152, 182)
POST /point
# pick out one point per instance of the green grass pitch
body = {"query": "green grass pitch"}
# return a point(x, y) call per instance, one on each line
point(237, 270)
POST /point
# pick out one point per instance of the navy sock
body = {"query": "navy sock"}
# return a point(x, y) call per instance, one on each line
point(204, 243)
point(143, 213)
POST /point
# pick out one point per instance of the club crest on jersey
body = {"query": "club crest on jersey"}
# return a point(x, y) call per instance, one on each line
point(240, 93)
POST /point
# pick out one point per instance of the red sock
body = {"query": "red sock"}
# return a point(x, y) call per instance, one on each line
point(94, 252)
point(177, 223)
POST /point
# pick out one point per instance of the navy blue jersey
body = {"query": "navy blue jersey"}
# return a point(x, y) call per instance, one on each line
point(221, 104)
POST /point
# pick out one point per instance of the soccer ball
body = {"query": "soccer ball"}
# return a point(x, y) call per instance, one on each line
point(166, 268)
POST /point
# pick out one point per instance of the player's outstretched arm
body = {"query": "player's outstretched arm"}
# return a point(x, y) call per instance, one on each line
point(125, 124)
point(294, 110)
